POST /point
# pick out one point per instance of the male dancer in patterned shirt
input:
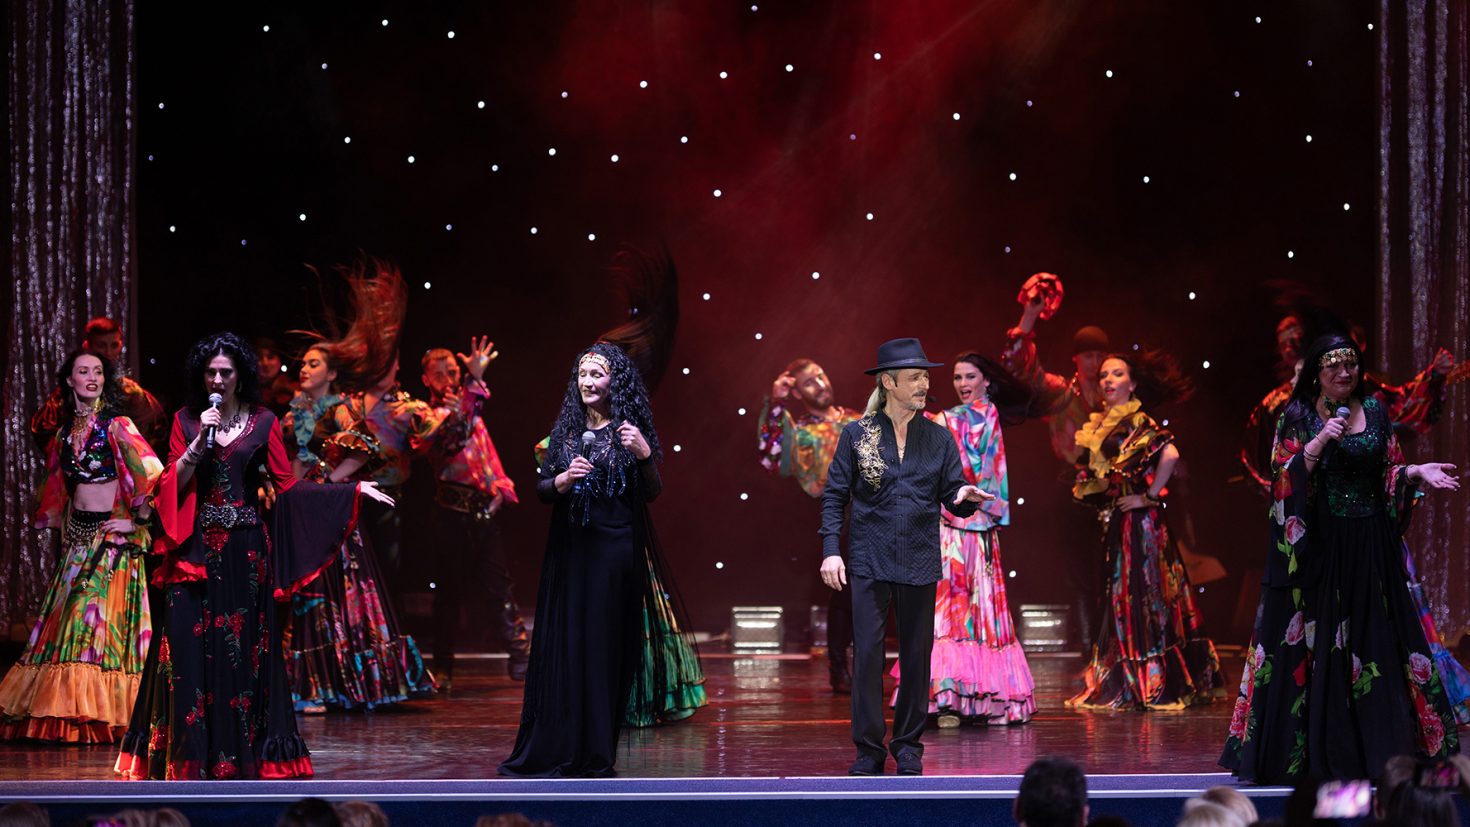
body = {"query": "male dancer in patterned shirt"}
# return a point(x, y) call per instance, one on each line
point(470, 489)
point(799, 443)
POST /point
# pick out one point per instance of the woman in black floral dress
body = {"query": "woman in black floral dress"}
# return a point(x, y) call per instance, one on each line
point(1339, 677)
point(213, 701)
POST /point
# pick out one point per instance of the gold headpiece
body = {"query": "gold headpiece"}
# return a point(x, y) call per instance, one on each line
point(597, 359)
point(1341, 356)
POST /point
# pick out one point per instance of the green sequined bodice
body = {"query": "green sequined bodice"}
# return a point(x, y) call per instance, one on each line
point(1353, 474)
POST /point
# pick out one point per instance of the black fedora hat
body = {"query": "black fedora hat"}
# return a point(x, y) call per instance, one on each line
point(896, 354)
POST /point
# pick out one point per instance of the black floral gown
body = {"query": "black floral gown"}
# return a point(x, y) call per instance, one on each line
point(1339, 677)
point(213, 701)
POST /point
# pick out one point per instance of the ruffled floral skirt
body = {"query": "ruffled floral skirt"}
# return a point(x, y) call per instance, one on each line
point(977, 668)
point(78, 676)
point(1339, 676)
point(345, 647)
point(214, 702)
point(1454, 675)
point(1149, 653)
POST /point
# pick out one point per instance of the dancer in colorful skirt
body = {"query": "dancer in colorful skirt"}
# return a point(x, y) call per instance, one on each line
point(345, 647)
point(78, 676)
point(1149, 653)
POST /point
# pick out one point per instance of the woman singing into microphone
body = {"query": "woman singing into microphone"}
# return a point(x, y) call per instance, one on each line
point(605, 642)
point(1339, 677)
point(213, 700)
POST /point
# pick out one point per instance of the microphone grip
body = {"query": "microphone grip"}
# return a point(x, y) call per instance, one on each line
point(1343, 414)
point(209, 438)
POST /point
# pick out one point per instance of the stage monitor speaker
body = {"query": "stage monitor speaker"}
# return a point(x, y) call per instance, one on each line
point(756, 629)
point(1043, 627)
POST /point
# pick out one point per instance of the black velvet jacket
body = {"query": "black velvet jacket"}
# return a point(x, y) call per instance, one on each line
point(894, 534)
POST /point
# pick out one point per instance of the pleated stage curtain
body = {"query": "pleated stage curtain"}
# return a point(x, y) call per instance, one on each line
point(1423, 285)
point(71, 106)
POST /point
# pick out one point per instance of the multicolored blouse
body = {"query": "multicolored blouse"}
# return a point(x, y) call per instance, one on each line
point(299, 424)
point(1062, 400)
point(801, 445)
point(391, 434)
point(976, 430)
point(1120, 450)
point(463, 453)
point(138, 471)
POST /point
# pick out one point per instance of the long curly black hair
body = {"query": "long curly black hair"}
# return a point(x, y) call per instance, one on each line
point(247, 376)
point(112, 392)
point(1157, 376)
point(1309, 384)
point(627, 402)
point(1010, 395)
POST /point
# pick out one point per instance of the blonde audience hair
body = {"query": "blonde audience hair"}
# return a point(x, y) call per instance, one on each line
point(1235, 801)
point(1199, 812)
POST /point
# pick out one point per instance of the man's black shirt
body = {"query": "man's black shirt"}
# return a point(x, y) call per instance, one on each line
point(895, 527)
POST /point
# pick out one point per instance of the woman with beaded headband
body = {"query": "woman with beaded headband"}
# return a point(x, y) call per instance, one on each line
point(1339, 676)
point(78, 676)
point(597, 644)
point(1149, 653)
point(978, 672)
point(213, 700)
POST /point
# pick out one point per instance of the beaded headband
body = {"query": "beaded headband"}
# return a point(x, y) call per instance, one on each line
point(1341, 356)
point(597, 359)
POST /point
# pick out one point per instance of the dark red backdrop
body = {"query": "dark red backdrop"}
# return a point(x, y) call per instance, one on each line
point(1211, 105)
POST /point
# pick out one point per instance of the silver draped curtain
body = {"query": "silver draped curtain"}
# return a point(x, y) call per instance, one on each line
point(1423, 285)
point(70, 141)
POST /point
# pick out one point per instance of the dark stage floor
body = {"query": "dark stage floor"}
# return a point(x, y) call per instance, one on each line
point(769, 716)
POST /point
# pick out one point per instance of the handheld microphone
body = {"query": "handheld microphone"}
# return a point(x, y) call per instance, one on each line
point(215, 400)
point(1343, 412)
point(588, 437)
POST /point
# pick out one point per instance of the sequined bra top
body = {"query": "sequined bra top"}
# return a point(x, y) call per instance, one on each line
point(93, 461)
point(1354, 471)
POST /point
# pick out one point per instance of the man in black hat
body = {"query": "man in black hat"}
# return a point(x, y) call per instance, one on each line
point(896, 468)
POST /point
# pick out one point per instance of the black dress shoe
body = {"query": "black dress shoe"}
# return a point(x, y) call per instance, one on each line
point(842, 683)
point(866, 765)
point(910, 763)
